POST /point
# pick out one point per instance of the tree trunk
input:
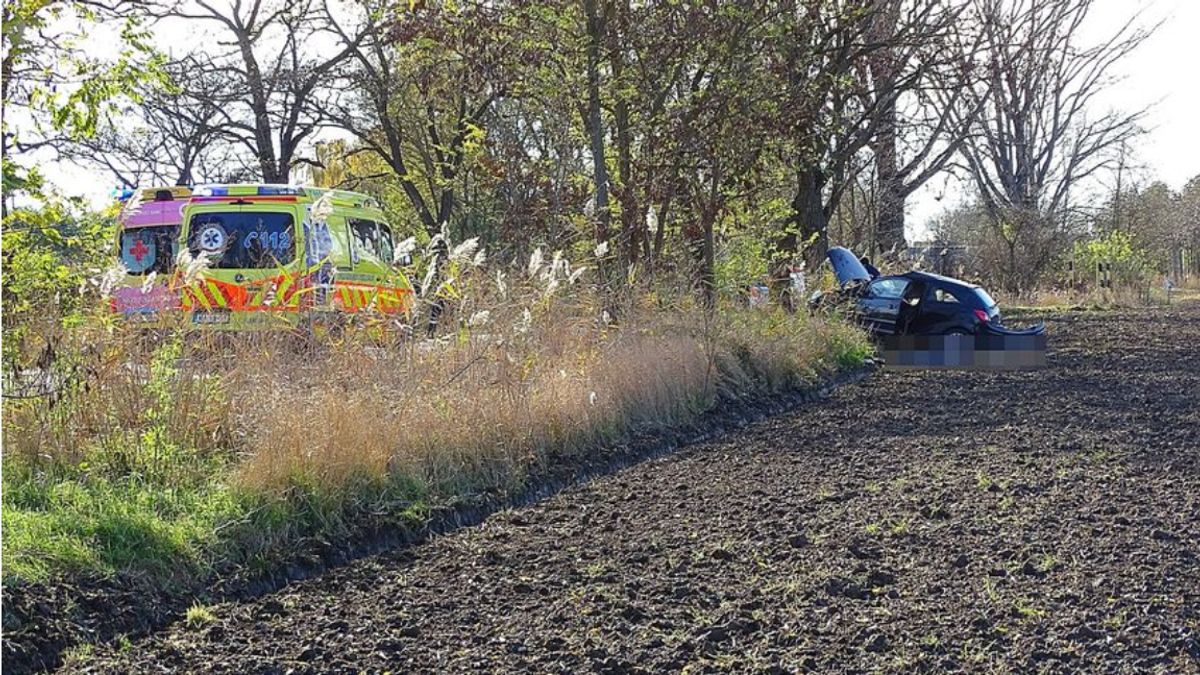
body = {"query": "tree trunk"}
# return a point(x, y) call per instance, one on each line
point(808, 220)
point(595, 127)
point(806, 227)
point(710, 207)
point(698, 238)
point(889, 217)
point(631, 229)
point(1014, 280)
point(707, 275)
point(259, 105)
point(888, 227)
point(664, 210)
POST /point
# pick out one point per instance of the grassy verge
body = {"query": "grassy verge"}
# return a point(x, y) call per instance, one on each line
point(178, 455)
point(1048, 301)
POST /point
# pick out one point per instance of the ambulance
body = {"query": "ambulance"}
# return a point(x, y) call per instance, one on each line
point(277, 256)
point(147, 243)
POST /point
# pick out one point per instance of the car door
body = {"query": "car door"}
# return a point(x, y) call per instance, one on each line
point(880, 305)
point(944, 310)
point(248, 246)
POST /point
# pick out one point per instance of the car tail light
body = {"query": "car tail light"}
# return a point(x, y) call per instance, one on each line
point(981, 315)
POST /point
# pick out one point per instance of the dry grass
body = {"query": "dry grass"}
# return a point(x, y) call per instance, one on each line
point(478, 412)
point(474, 412)
point(1124, 296)
point(109, 395)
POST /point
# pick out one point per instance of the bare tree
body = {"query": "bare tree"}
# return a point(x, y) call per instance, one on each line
point(272, 60)
point(834, 109)
point(922, 116)
point(1040, 132)
point(175, 135)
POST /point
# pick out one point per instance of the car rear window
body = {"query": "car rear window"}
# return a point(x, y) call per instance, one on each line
point(243, 240)
point(984, 298)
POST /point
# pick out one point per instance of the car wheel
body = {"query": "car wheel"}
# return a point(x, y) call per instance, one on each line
point(957, 331)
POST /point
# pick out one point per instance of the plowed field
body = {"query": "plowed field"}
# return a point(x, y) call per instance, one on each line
point(938, 521)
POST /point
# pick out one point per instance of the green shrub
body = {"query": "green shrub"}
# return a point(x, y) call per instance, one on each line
point(1130, 263)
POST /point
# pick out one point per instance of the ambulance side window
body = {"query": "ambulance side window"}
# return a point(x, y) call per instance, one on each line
point(372, 238)
point(360, 233)
point(341, 251)
point(387, 245)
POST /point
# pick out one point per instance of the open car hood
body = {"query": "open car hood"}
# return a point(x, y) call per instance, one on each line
point(846, 267)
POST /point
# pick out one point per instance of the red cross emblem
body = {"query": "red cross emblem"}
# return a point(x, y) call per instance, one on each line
point(139, 250)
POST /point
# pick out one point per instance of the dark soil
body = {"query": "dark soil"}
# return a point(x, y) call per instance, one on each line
point(962, 521)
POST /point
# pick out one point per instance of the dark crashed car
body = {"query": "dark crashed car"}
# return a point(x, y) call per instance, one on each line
point(913, 303)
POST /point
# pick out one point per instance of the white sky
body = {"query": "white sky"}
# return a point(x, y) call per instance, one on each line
point(1161, 74)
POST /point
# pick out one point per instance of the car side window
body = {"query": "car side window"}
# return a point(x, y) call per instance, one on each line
point(888, 288)
point(943, 295)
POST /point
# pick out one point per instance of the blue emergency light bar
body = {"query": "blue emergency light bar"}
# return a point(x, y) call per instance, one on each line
point(247, 190)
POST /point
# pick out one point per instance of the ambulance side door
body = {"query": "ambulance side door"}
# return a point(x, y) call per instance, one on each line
point(327, 255)
point(371, 244)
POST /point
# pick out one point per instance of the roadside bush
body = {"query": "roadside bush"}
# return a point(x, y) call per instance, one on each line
point(1131, 274)
point(1130, 264)
point(49, 254)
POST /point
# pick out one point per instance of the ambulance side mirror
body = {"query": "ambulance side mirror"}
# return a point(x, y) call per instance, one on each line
point(403, 260)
